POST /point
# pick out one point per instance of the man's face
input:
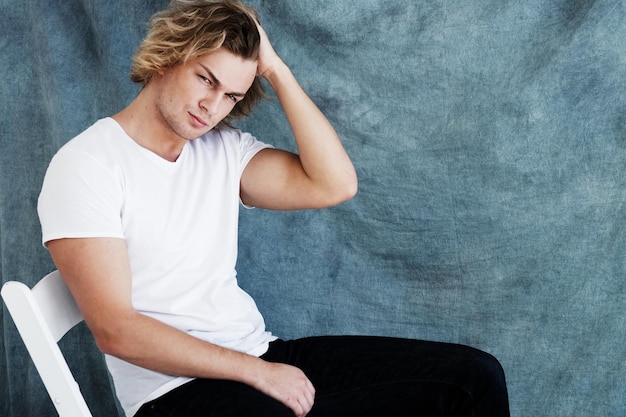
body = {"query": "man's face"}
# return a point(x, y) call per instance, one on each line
point(194, 97)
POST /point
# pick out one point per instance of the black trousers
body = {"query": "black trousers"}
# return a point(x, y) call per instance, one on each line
point(358, 376)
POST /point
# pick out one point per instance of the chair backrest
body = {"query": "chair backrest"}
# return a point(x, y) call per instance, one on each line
point(42, 316)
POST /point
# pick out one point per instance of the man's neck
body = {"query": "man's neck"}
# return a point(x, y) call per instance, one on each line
point(141, 123)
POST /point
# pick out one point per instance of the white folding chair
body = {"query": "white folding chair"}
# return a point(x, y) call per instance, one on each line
point(42, 316)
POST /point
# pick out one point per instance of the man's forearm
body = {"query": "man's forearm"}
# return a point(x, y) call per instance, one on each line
point(321, 152)
point(153, 345)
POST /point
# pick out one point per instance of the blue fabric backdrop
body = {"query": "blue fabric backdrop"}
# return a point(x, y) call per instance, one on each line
point(490, 141)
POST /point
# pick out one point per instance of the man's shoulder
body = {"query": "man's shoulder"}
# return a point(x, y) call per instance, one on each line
point(103, 143)
point(222, 137)
point(223, 133)
point(96, 135)
point(103, 138)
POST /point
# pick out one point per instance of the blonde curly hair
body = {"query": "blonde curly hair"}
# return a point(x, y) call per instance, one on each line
point(188, 29)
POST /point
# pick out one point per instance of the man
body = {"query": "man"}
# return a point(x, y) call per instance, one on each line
point(140, 211)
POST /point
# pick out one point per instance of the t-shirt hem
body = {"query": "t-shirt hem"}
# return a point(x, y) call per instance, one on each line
point(79, 235)
point(175, 383)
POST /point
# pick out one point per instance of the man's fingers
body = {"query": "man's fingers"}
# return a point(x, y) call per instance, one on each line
point(302, 400)
point(290, 386)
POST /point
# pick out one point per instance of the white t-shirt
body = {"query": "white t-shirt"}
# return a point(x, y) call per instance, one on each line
point(179, 220)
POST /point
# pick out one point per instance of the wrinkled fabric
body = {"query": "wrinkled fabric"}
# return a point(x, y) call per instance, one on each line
point(490, 142)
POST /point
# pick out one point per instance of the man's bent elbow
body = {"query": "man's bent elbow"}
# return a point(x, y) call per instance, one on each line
point(344, 191)
point(114, 337)
point(350, 190)
point(109, 343)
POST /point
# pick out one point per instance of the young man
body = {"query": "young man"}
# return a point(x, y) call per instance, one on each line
point(140, 213)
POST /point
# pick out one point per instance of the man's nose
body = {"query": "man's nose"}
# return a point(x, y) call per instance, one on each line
point(210, 103)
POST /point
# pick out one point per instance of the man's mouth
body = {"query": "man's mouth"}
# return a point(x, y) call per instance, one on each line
point(198, 121)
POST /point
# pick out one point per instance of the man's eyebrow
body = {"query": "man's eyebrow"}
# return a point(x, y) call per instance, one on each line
point(217, 82)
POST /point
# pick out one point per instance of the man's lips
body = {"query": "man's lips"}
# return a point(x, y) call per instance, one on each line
point(198, 121)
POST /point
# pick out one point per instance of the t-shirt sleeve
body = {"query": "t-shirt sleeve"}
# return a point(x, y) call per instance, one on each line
point(249, 146)
point(79, 198)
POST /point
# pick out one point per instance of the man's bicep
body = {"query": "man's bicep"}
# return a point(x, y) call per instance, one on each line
point(274, 179)
point(97, 272)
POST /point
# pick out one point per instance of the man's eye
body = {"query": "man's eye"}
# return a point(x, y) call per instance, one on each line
point(205, 80)
point(232, 97)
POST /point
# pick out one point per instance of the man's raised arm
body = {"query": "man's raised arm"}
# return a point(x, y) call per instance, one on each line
point(321, 175)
